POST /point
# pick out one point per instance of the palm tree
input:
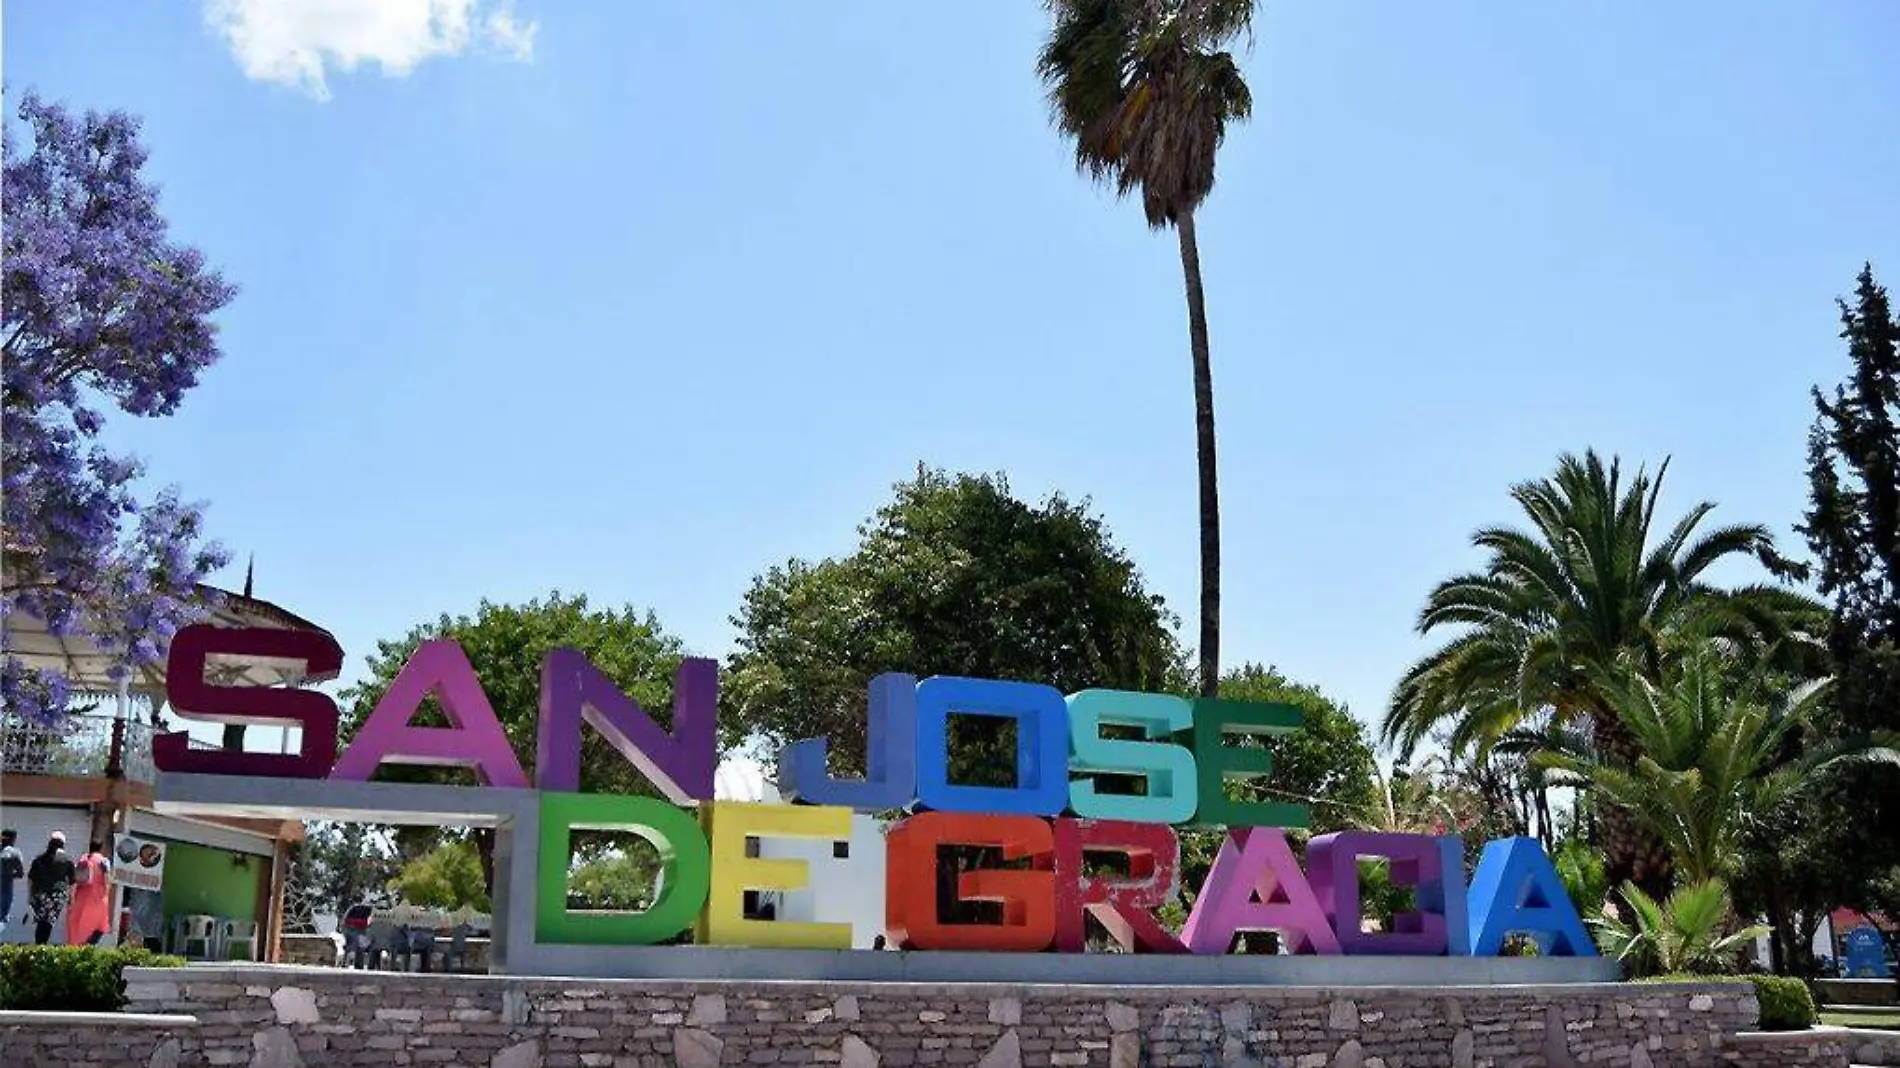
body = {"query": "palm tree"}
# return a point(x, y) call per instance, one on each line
point(1557, 610)
point(1146, 90)
point(1711, 766)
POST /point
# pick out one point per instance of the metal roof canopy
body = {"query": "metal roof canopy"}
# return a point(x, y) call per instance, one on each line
point(88, 668)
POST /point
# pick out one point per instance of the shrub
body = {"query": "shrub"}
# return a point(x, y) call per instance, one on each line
point(1786, 1004)
point(71, 978)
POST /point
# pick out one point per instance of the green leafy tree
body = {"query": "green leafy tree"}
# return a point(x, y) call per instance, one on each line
point(505, 645)
point(1687, 934)
point(1145, 89)
point(955, 576)
point(1592, 586)
point(447, 877)
point(1852, 528)
point(619, 879)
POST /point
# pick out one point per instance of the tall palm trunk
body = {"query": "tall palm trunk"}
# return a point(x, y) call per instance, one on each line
point(1631, 851)
point(1204, 454)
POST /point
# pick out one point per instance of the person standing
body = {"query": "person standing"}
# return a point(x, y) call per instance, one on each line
point(91, 915)
point(50, 883)
point(12, 870)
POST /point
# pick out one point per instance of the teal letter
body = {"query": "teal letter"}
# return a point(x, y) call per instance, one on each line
point(1168, 768)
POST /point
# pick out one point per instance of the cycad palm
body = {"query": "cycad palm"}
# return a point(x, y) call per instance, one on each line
point(1710, 764)
point(1587, 590)
point(1146, 89)
point(1681, 935)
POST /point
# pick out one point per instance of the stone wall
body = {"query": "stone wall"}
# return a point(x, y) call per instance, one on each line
point(272, 1017)
point(1778, 1049)
point(1873, 1047)
point(122, 1040)
point(1857, 991)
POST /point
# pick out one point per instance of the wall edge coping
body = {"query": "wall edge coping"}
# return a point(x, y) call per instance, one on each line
point(33, 1018)
point(289, 974)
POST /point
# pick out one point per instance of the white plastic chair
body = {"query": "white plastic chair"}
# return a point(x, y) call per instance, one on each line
point(233, 933)
point(202, 930)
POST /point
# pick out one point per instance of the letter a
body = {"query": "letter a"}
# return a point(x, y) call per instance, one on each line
point(1256, 885)
point(680, 764)
point(475, 740)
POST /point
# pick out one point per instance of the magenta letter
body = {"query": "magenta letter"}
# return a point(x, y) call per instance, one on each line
point(475, 740)
point(1256, 885)
point(680, 763)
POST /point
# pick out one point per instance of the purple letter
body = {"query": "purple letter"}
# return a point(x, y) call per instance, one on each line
point(1332, 863)
point(475, 740)
point(680, 764)
point(1256, 885)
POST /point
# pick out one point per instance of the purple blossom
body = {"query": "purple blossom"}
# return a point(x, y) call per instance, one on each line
point(100, 306)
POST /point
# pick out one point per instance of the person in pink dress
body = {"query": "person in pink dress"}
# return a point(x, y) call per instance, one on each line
point(89, 918)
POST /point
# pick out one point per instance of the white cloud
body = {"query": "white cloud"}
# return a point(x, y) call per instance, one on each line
point(297, 42)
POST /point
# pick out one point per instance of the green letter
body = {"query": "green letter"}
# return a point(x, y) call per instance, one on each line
point(1220, 763)
point(685, 869)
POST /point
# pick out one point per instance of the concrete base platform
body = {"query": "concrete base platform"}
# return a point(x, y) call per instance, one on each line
point(1062, 969)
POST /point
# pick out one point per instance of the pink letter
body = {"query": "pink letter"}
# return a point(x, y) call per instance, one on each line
point(475, 740)
point(680, 763)
point(1256, 885)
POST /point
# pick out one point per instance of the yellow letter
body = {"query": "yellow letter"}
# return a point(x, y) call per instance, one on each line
point(728, 826)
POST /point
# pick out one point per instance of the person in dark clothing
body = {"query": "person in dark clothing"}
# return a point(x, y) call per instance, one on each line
point(50, 883)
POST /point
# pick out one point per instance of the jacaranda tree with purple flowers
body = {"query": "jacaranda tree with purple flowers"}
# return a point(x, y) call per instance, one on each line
point(102, 310)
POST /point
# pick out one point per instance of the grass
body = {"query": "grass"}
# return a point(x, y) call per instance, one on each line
point(1878, 1021)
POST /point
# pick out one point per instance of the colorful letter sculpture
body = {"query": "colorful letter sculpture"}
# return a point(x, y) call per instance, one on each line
point(890, 779)
point(728, 826)
point(1123, 906)
point(474, 740)
point(1026, 897)
point(1516, 891)
point(1053, 877)
point(679, 762)
point(685, 869)
point(1219, 762)
point(1256, 885)
point(1042, 742)
point(1332, 864)
point(193, 697)
point(1168, 768)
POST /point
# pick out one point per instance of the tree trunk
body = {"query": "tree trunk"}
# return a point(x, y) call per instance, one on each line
point(1204, 454)
point(1631, 851)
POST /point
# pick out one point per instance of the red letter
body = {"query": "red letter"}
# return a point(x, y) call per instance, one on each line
point(910, 900)
point(1122, 905)
point(265, 706)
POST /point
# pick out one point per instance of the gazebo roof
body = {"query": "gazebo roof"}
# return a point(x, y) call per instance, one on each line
point(87, 667)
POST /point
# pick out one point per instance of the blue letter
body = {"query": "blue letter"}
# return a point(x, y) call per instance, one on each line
point(1042, 746)
point(890, 756)
point(1516, 891)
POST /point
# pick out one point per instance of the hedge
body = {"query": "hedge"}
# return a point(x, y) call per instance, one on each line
point(71, 978)
point(1786, 1004)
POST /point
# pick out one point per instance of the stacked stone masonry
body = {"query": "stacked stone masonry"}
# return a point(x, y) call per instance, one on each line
point(273, 1017)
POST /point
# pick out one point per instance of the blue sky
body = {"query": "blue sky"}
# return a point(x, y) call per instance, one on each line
point(637, 299)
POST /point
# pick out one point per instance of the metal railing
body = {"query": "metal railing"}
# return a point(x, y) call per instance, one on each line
point(82, 746)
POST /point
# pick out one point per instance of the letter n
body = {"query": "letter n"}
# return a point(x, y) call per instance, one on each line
point(679, 762)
